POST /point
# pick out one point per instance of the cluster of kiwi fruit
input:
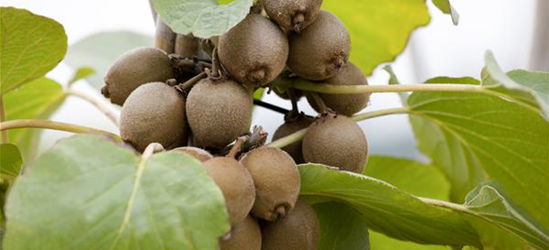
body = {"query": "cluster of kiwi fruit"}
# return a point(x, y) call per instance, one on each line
point(195, 97)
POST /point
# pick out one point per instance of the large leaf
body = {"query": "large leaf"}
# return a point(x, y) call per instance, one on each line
point(380, 29)
point(10, 162)
point(36, 100)
point(30, 46)
point(202, 18)
point(100, 50)
point(526, 87)
point(386, 209)
point(90, 193)
point(341, 227)
point(469, 134)
point(410, 176)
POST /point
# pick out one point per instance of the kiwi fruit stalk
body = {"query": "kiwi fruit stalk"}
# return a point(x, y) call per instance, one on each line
point(198, 153)
point(292, 15)
point(164, 38)
point(349, 104)
point(154, 112)
point(291, 125)
point(319, 51)
point(218, 112)
point(246, 235)
point(338, 141)
point(236, 184)
point(254, 52)
point(299, 230)
point(133, 69)
point(276, 180)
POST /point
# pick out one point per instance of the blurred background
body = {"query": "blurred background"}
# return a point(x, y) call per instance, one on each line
point(517, 31)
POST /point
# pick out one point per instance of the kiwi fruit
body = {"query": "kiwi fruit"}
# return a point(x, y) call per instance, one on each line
point(218, 112)
point(338, 141)
point(154, 112)
point(299, 230)
point(198, 153)
point(133, 69)
point(235, 183)
point(319, 51)
point(290, 126)
point(254, 52)
point(349, 104)
point(276, 180)
point(246, 235)
point(292, 15)
point(187, 46)
point(164, 37)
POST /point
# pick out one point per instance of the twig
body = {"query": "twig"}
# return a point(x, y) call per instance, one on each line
point(358, 89)
point(271, 107)
point(102, 107)
point(191, 82)
point(44, 124)
point(4, 134)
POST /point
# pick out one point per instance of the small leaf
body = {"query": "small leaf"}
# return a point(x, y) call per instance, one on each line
point(393, 80)
point(35, 100)
point(100, 50)
point(202, 18)
point(531, 88)
point(90, 193)
point(81, 73)
point(386, 209)
point(380, 29)
point(11, 161)
point(341, 228)
point(30, 46)
point(447, 8)
point(474, 137)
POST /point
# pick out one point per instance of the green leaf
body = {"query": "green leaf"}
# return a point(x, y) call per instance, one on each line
point(80, 74)
point(382, 242)
point(413, 177)
point(202, 18)
point(379, 29)
point(387, 209)
point(341, 227)
point(447, 8)
point(90, 193)
point(35, 100)
point(100, 50)
point(529, 88)
point(30, 46)
point(474, 136)
point(11, 161)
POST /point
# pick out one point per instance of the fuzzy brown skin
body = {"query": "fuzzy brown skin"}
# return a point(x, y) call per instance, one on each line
point(289, 127)
point(276, 180)
point(236, 184)
point(218, 112)
point(198, 153)
point(254, 52)
point(300, 230)
point(336, 141)
point(154, 112)
point(350, 104)
point(164, 37)
point(292, 15)
point(133, 69)
point(319, 51)
point(246, 235)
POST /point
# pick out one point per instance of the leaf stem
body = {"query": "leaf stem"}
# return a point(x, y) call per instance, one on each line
point(44, 124)
point(102, 107)
point(271, 107)
point(4, 134)
point(358, 89)
point(285, 141)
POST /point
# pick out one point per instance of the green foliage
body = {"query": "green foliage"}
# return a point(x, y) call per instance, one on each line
point(90, 193)
point(202, 18)
point(379, 29)
point(345, 231)
point(35, 100)
point(81, 73)
point(11, 162)
point(447, 8)
point(30, 45)
point(100, 50)
point(387, 209)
